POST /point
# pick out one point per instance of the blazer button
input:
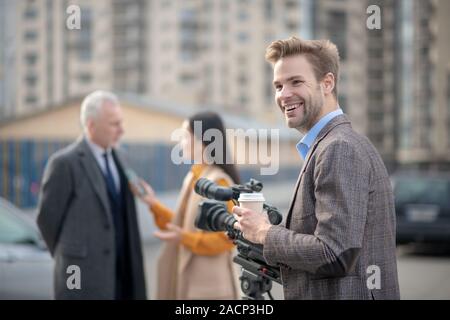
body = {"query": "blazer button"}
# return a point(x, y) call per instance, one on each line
point(107, 227)
point(106, 251)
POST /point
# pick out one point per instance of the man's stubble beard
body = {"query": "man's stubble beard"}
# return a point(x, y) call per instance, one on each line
point(311, 114)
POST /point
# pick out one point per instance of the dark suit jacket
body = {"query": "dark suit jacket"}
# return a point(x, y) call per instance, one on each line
point(340, 224)
point(75, 219)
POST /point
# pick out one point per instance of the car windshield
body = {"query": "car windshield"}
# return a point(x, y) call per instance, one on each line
point(422, 190)
point(12, 229)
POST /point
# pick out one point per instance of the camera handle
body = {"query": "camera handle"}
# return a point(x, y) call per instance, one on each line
point(254, 286)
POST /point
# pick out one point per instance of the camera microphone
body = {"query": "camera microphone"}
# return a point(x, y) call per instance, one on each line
point(210, 190)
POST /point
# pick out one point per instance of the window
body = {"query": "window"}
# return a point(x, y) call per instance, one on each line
point(31, 59)
point(269, 91)
point(224, 5)
point(242, 80)
point(376, 53)
point(85, 77)
point(30, 35)
point(30, 12)
point(337, 30)
point(375, 97)
point(291, 4)
point(31, 80)
point(242, 16)
point(376, 117)
point(166, 3)
point(428, 190)
point(376, 74)
point(242, 36)
point(84, 40)
point(187, 77)
point(291, 25)
point(224, 26)
point(377, 139)
point(243, 100)
point(13, 230)
point(225, 90)
point(268, 9)
point(241, 60)
point(448, 104)
point(85, 54)
point(343, 103)
point(31, 99)
point(189, 27)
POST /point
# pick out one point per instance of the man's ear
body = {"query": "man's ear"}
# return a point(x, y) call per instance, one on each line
point(90, 126)
point(328, 83)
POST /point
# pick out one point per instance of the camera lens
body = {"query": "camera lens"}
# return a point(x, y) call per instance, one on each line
point(213, 216)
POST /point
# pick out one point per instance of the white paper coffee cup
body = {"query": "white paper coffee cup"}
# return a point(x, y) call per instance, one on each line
point(252, 201)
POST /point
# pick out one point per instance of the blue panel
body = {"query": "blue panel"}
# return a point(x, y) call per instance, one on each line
point(11, 171)
point(3, 172)
point(34, 174)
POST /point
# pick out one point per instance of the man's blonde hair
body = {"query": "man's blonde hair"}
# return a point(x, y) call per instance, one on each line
point(323, 55)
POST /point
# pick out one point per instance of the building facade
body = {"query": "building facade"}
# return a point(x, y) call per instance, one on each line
point(394, 82)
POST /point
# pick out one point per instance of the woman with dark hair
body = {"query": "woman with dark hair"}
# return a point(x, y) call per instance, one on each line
point(195, 264)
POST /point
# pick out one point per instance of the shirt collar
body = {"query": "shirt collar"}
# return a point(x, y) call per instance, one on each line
point(308, 139)
point(97, 150)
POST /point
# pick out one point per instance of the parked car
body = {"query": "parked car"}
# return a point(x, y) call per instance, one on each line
point(26, 267)
point(422, 204)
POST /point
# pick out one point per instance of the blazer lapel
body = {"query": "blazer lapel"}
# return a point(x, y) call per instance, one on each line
point(94, 174)
point(341, 119)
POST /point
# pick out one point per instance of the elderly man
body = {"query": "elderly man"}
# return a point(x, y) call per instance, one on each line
point(87, 213)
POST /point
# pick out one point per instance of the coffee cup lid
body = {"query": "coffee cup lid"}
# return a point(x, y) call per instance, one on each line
point(251, 197)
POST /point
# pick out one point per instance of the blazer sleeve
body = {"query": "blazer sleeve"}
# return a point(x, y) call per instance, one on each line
point(341, 189)
point(54, 200)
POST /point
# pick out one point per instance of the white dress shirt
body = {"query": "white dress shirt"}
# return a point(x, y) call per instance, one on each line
point(98, 155)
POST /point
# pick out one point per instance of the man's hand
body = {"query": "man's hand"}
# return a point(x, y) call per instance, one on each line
point(254, 226)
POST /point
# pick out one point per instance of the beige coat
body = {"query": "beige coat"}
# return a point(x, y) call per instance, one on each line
point(185, 275)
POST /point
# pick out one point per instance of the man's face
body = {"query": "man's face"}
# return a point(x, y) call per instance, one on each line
point(298, 94)
point(106, 129)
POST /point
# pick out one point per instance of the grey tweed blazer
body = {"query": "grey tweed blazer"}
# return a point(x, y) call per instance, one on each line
point(338, 240)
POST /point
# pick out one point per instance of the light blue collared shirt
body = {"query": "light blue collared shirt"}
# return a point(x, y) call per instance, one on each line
point(308, 139)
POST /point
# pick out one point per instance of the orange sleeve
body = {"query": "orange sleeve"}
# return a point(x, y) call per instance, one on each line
point(162, 214)
point(209, 243)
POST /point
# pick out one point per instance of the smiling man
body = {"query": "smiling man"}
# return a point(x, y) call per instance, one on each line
point(341, 221)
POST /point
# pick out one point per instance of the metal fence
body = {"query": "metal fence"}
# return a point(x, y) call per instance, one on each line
point(23, 163)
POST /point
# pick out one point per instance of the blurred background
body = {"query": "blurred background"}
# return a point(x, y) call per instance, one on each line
point(167, 59)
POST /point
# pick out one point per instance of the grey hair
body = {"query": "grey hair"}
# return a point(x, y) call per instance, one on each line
point(92, 103)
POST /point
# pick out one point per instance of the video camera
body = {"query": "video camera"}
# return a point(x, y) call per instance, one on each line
point(257, 275)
